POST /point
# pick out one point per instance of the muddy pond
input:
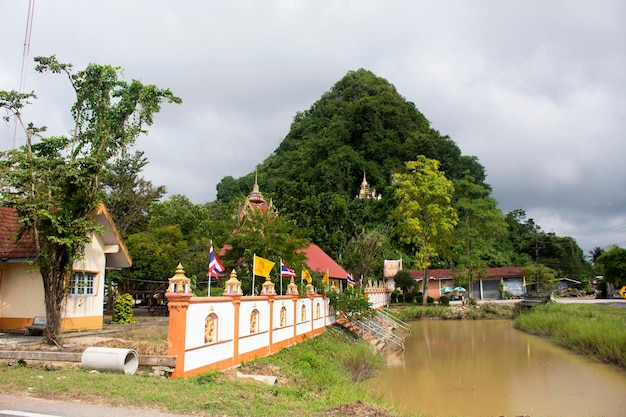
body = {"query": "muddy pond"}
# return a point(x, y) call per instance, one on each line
point(487, 368)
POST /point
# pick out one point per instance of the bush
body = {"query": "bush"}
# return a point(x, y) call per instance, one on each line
point(351, 302)
point(408, 297)
point(444, 300)
point(123, 312)
point(430, 300)
point(394, 296)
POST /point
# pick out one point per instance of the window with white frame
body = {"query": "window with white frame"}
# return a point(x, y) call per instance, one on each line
point(81, 283)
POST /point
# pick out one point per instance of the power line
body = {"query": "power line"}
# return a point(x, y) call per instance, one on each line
point(607, 232)
point(25, 54)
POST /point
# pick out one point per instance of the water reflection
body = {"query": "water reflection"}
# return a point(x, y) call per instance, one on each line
point(487, 368)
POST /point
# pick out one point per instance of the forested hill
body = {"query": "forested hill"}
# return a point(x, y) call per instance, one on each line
point(363, 126)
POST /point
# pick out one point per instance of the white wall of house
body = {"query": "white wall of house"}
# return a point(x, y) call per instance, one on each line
point(94, 261)
point(22, 293)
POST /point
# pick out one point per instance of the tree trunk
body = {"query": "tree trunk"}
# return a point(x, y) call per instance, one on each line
point(425, 288)
point(54, 293)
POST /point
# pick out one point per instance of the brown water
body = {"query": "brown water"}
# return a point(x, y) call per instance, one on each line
point(487, 368)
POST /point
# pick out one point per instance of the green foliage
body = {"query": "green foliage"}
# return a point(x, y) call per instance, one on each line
point(269, 236)
point(129, 196)
point(613, 265)
point(54, 182)
point(404, 281)
point(363, 254)
point(444, 300)
point(425, 218)
point(540, 278)
point(439, 311)
point(351, 302)
point(123, 313)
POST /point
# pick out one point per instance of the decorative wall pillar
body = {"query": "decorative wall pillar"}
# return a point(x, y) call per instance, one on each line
point(178, 295)
point(233, 290)
point(292, 288)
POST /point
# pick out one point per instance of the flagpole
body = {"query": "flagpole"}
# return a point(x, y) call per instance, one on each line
point(210, 247)
point(253, 269)
point(281, 275)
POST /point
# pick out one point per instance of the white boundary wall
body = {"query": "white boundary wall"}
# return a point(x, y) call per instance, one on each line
point(221, 332)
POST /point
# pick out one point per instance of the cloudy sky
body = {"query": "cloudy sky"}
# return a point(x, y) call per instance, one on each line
point(535, 89)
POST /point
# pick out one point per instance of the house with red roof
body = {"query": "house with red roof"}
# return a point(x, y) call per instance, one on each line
point(319, 261)
point(485, 288)
point(21, 285)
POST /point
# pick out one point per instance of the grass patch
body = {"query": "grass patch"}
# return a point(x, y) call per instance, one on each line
point(314, 376)
point(482, 311)
point(592, 330)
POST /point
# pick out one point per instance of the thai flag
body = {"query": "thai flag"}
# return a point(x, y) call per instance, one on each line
point(351, 280)
point(215, 266)
point(285, 271)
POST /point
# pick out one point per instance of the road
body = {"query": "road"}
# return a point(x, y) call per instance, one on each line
point(26, 406)
point(614, 302)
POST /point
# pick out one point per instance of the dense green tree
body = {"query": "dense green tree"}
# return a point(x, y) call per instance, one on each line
point(129, 196)
point(405, 282)
point(269, 236)
point(540, 277)
point(156, 253)
point(425, 218)
point(54, 183)
point(364, 254)
point(564, 256)
point(185, 231)
point(613, 265)
point(480, 223)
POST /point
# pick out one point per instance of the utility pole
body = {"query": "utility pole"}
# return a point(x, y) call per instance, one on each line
point(536, 257)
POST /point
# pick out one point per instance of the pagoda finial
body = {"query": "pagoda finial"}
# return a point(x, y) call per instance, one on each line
point(255, 187)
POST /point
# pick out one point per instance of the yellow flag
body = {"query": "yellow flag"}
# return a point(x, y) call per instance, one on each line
point(262, 267)
point(325, 278)
point(306, 276)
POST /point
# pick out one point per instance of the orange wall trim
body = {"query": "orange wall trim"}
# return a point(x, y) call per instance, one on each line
point(67, 324)
point(217, 333)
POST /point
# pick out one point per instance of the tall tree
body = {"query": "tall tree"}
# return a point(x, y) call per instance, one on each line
point(540, 277)
point(364, 254)
point(54, 184)
point(613, 264)
point(129, 196)
point(269, 236)
point(480, 223)
point(425, 217)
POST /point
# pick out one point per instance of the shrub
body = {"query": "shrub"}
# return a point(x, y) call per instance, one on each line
point(123, 312)
point(444, 300)
point(408, 297)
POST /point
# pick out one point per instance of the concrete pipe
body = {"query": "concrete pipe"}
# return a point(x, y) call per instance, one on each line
point(110, 359)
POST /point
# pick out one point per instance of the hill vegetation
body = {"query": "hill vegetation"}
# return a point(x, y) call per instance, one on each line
point(362, 128)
